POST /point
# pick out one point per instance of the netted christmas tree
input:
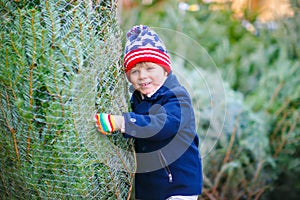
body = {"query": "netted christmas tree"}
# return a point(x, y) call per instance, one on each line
point(60, 63)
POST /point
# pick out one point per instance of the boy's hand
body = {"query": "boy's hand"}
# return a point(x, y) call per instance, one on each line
point(105, 123)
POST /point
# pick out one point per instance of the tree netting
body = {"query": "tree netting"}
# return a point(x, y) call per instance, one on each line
point(60, 63)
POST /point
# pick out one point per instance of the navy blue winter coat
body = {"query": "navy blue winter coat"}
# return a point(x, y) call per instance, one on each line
point(166, 143)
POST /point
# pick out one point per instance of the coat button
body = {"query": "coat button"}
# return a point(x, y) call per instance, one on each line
point(133, 120)
point(133, 133)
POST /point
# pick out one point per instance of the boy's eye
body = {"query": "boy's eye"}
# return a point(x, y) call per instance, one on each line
point(150, 68)
point(133, 72)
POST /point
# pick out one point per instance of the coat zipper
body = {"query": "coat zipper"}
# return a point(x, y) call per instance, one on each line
point(163, 161)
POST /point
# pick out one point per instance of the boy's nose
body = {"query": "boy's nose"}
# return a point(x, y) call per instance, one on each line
point(143, 73)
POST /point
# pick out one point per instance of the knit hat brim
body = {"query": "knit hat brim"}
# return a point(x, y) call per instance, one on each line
point(147, 55)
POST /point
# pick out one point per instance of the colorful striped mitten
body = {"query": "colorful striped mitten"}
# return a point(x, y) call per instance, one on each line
point(105, 123)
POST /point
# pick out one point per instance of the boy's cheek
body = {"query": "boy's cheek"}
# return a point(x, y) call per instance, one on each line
point(136, 87)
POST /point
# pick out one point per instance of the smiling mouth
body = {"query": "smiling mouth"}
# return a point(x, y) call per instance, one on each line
point(144, 84)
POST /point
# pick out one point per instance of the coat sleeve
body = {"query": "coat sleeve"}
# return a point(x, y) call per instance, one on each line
point(164, 120)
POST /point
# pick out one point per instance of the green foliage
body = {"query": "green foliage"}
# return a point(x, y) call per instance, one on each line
point(258, 149)
point(53, 56)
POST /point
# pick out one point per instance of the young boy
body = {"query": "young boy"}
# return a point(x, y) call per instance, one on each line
point(162, 122)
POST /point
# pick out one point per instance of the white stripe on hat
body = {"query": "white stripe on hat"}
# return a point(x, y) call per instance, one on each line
point(147, 55)
point(146, 51)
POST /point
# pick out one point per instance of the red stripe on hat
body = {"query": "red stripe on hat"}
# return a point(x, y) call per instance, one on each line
point(145, 51)
point(147, 55)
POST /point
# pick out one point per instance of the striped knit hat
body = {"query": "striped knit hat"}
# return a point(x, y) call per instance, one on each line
point(144, 45)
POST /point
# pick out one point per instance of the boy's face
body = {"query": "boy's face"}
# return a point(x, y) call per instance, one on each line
point(147, 77)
